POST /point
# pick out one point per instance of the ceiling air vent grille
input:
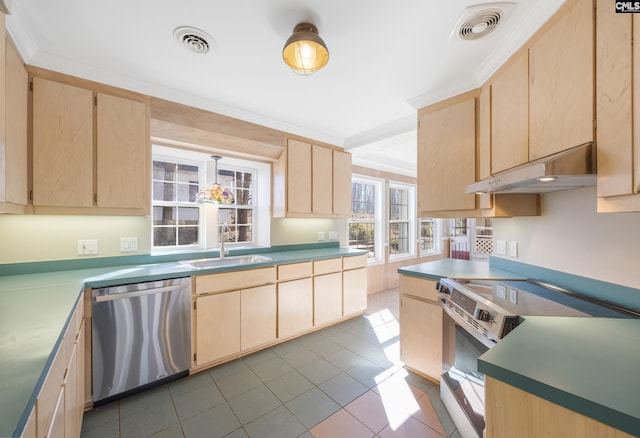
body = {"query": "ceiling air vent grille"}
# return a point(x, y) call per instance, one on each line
point(478, 21)
point(194, 39)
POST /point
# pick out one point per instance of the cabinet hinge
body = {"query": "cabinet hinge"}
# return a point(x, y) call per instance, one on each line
point(31, 85)
point(195, 304)
point(95, 198)
point(95, 100)
point(194, 357)
point(30, 195)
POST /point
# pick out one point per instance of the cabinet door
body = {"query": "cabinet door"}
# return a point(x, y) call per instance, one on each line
point(421, 336)
point(510, 114)
point(123, 151)
point(322, 191)
point(16, 133)
point(295, 307)
point(258, 315)
point(71, 419)
point(56, 427)
point(298, 181)
point(614, 107)
point(217, 326)
point(561, 76)
point(341, 184)
point(62, 145)
point(3, 107)
point(354, 291)
point(327, 298)
point(446, 157)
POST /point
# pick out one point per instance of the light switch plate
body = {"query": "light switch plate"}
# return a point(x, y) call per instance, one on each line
point(513, 249)
point(513, 295)
point(128, 244)
point(87, 247)
point(501, 247)
point(333, 235)
point(320, 235)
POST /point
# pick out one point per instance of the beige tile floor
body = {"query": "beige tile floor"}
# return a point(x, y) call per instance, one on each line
point(343, 381)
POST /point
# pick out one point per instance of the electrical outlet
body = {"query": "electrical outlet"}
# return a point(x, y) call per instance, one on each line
point(501, 247)
point(513, 295)
point(513, 249)
point(128, 244)
point(320, 235)
point(87, 247)
point(501, 291)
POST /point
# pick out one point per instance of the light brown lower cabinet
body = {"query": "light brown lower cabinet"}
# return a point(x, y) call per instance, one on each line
point(327, 298)
point(217, 327)
point(60, 404)
point(420, 327)
point(295, 307)
point(257, 316)
point(354, 291)
point(510, 411)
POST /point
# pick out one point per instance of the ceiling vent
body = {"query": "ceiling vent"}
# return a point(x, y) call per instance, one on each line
point(478, 21)
point(194, 39)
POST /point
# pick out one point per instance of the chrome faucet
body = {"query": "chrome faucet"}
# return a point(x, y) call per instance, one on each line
point(223, 232)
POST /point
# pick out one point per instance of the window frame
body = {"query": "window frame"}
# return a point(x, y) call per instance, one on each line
point(177, 204)
point(410, 221)
point(437, 231)
point(208, 217)
point(379, 244)
point(234, 206)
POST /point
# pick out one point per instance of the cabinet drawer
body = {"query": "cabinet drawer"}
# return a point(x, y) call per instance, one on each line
point(354, 262)
point(48, 397)
point(295, 271)
point(234, 280)
point(418, 287)
point(328, 266)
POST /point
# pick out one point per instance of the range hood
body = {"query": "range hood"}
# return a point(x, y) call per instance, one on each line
point(570, 169)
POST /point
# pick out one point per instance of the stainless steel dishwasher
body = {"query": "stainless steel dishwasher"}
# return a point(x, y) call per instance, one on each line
point(141, 336)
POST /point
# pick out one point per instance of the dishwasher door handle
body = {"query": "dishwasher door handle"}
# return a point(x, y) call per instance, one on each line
point(139, 293)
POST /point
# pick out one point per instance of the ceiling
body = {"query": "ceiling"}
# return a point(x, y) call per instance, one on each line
point(386, 60)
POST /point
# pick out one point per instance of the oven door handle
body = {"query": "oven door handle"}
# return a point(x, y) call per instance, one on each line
point(457, 319)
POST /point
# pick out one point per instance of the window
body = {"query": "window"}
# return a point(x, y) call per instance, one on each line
point(239, 216)
point(366, 216)
point(179, 222)
point(428, 235)
point(401, 220)
point(176, 215)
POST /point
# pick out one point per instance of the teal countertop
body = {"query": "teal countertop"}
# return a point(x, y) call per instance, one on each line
point(460, 269)
point(35, 308)
point(587, 365)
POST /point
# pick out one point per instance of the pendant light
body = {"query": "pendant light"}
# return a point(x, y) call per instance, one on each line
point(216, 193)
point(305, 52)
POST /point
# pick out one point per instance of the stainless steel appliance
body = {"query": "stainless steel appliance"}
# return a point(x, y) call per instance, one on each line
point(141, 336)
point(477, 315)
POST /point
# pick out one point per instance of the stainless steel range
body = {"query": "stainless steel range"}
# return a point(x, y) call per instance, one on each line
point(477, 314)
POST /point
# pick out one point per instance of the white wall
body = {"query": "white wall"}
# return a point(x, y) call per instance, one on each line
point(571, 237)
point(292, 230)
point(26, 238)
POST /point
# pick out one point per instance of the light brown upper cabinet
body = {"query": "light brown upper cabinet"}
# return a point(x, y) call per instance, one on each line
point(510, 114)
point(91, 150)
point(561, 78)
point(618, 109)
point(446, 156)
point(451, 152)
point(62, 145)
point(13, 184)
point(312, 180)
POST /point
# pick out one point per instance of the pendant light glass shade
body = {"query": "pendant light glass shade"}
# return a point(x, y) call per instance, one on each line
point(305, 52)
point(216, 193)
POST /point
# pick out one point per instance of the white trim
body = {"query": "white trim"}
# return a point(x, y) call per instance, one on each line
point(411, 220)
point(379, 240)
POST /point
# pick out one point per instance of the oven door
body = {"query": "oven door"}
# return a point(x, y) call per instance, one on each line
point(461, 384)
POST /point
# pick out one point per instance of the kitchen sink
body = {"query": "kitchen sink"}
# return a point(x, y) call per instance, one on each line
point(227, 261)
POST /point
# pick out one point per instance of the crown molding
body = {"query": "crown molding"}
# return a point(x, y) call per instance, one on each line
point(385, 164)
point(392, 129)
point(20, 34)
